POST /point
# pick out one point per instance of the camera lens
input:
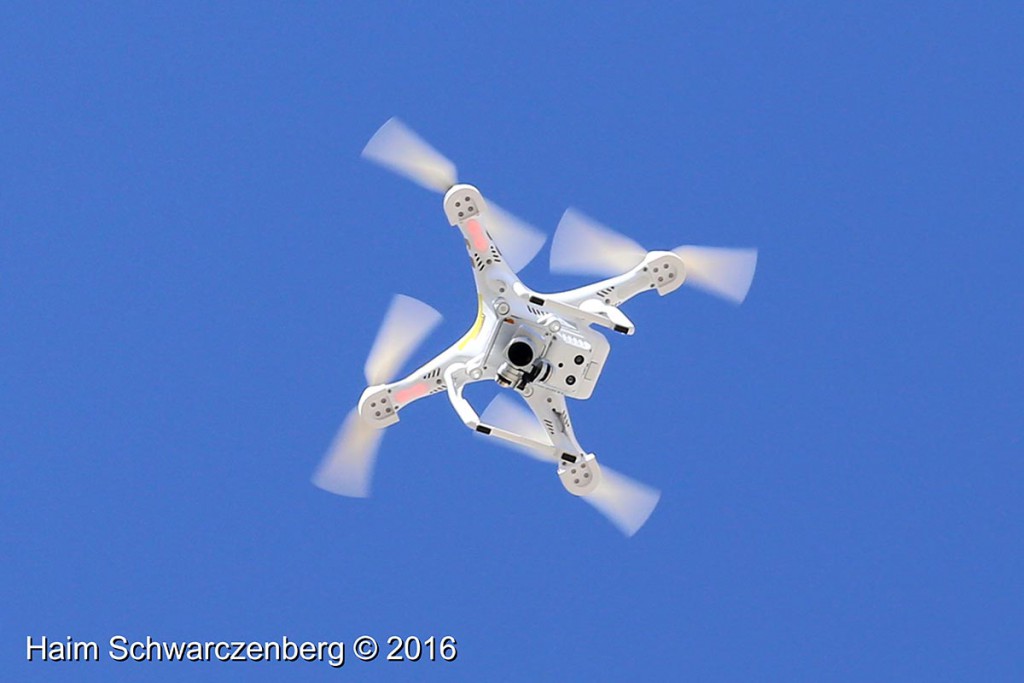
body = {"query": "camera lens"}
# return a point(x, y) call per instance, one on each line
point(519, 353)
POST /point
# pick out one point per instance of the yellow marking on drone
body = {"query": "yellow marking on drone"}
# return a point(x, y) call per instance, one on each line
point(477, 326)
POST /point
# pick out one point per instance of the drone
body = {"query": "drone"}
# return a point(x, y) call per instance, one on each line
point(545, 347)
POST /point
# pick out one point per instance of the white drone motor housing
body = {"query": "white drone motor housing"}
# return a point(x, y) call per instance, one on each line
point(463, 202)
point(666, 270)
point(579, 474)
point(377, 407)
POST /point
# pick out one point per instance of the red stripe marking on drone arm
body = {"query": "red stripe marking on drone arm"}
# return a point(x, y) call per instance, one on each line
point(412, 393)
point(476, 234)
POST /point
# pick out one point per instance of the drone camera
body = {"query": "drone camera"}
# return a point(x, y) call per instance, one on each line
point(520, 352)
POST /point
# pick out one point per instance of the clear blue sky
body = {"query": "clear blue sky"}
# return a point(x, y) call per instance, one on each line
point(193, 260)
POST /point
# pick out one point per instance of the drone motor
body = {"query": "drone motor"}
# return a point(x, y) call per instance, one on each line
point(579, 474)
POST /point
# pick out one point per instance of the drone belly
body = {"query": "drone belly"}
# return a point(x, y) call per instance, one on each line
point(545, 350)
point(576, 361)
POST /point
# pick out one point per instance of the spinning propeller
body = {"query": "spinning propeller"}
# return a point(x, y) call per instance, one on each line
point(583, 246)
point(625, 502)
point(397, 148)
point(348, 466)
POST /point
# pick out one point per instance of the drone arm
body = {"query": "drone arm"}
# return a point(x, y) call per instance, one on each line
point(479, 222)
point(662, 271)
point(578, 470)
point(552, 412)
point(430, 378)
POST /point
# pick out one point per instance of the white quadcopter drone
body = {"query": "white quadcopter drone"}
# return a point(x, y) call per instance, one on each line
point(541, 346)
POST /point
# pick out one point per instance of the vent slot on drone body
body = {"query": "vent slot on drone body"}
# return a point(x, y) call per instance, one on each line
point(495, 256)
point(434, 378)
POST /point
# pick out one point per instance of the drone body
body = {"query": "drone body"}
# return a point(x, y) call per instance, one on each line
point(542, 346)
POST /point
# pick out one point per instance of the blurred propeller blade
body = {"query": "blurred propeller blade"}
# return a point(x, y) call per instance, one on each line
point(348, 466)
point(583, 246)
point(517, 240)
point(396, 147)
point(406, 324)
point(720, 271)
point(625, 502)
point(512, 416)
